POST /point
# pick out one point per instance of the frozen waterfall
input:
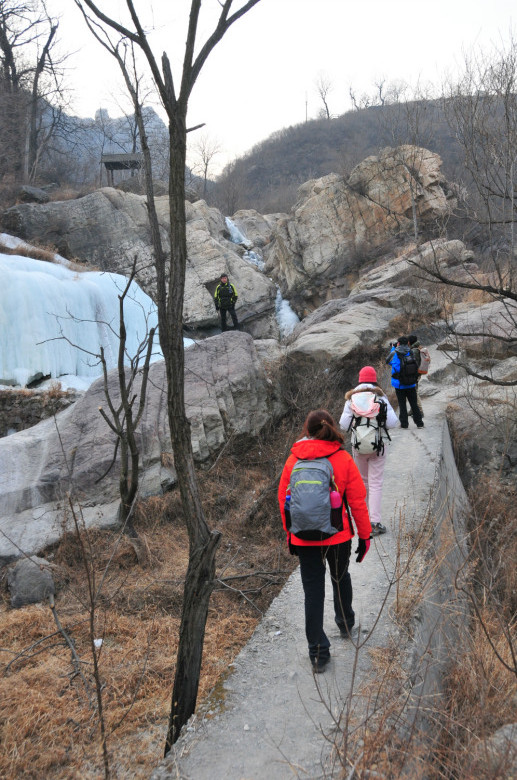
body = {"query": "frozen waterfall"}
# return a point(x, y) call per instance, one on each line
point(236, 236)
point(46, 308)
point(286, 318)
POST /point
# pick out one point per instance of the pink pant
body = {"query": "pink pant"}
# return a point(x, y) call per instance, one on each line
point(371, 468)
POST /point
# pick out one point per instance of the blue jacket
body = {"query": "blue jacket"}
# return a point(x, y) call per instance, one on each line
point(394, 360)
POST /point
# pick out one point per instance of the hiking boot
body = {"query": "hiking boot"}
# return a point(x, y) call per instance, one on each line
point(378, 528)
point(348, 633)
point(420, 425)
point(319, 664)
point(403, 426)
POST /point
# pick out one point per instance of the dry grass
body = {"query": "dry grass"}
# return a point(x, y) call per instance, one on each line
point(47, 727)
point(45, 253)
point(376, 739)
point(69, 193)
point(480, 688)
point(36, 253)
point(478, 297)
point(410, 322)
point(481, 695)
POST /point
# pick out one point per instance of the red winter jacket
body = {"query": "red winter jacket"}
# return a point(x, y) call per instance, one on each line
point(347, 479)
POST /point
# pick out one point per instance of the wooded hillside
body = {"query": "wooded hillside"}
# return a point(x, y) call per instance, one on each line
point(267, 178)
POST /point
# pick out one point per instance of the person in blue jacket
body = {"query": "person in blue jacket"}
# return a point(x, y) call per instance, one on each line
point(403, 381)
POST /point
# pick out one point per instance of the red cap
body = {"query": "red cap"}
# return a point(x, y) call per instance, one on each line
point(368, 375)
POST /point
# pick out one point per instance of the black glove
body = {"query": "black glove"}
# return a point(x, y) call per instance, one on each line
point(362, 548)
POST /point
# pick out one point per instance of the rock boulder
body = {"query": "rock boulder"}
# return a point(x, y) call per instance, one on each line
point(30, 581)
point(337, 226)
point(227, 393)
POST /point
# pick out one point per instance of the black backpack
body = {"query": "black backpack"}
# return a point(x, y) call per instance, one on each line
point(408, 372)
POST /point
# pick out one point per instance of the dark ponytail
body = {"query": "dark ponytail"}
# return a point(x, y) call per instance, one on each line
point(320, 425)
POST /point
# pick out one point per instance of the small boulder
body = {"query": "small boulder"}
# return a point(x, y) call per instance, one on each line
point(29, 194)
point(30, 581)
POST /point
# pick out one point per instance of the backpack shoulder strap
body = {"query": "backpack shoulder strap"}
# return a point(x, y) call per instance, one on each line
point(348, 513)
point(383, 411)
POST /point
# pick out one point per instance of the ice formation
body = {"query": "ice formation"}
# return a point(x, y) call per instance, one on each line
point(53, 321)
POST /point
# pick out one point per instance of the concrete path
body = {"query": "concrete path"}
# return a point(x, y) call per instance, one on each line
point(273, 718)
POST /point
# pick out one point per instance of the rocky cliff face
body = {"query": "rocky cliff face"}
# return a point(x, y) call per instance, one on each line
point(336, 224)
point(365, 316)
point(109, 228)
point(314, 254)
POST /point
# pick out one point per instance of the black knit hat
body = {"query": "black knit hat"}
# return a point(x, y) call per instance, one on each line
point(412, 338)
point(403, 340)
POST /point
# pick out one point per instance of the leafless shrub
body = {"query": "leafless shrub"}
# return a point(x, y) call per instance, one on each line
point(480, 683)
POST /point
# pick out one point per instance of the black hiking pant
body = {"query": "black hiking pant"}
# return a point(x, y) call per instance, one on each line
point(232, 315)
point(312, 570)
point(408, 394)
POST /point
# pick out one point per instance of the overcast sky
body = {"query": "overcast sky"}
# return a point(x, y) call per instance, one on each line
point(262, 76)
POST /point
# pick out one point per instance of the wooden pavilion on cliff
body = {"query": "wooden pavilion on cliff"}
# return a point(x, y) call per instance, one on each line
point(121, 162)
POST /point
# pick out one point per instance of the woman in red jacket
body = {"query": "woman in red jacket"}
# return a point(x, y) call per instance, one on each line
point(322, 439)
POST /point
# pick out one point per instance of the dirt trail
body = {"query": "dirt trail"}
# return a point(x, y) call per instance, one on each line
point(272, 718)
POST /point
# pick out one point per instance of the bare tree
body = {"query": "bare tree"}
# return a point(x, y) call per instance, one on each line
point(171, 284)
point(30, 85)
point(482, 111)
point(358, 101)
point(124, 415)
point(410, 117)
point(324, 87)
point(231, 188)
point(204, 150)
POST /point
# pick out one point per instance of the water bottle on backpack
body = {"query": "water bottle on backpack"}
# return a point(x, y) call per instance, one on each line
point(287, 508)
point(336, 509)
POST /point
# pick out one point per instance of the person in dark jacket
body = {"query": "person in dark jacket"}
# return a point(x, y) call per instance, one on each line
point(322, 439)
point(406, 392)
point(414, 346)
point(225, 297)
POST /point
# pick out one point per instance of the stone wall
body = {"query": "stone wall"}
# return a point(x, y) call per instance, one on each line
point(21, 409)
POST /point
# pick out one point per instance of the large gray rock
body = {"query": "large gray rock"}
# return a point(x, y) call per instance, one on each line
point(400, 179)
point(336, 225)
point(364, 318)
point(209, 254)
point(493, 333)
point(109, 228)
point(258, 228)
point(328, 339)
point(30, 581)
point(227, 393)
point(401, 270)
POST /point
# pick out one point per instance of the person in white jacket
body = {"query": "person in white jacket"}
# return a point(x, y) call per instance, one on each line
point(371, 464)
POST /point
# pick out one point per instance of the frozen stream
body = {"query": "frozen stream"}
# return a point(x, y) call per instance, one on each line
point(286, 318)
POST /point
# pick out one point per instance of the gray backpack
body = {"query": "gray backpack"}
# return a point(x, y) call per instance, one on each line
point(309, 507)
